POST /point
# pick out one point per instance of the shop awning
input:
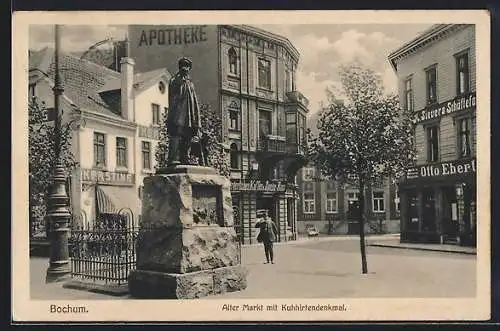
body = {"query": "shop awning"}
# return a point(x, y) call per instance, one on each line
point(119, 199)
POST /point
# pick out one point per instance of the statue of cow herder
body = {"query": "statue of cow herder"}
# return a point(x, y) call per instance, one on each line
point(183, 119)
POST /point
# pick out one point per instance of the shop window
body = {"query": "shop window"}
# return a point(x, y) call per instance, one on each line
point(264, 124)
point(291, 128)
point(431, 84)
point(234, 157)
point(308, 173)
point(378, 202)
point(264, 73)
point(462, 73)
point(464, 137)
point(433, 144)
point(155, 108)
point(309, 203)
point(429, 211)
point(99, 149)
point(146, 155)
point(331, 202)
point(233, 61)
point(234, 115)
point(121, 152)
point(413, 206)
point(409, 94)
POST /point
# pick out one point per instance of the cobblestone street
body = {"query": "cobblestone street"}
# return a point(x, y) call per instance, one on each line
point(330, 267)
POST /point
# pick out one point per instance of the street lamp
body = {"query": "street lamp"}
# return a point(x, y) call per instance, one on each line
point(58, 200)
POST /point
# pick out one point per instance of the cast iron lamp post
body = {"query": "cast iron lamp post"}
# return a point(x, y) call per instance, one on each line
point(58, 212)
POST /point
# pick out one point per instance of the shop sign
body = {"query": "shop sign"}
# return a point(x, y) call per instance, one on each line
point(458, 104)
point(444, 169)
point(150, 132)
point(107, 177)
point(174, 36)
point(257, 186)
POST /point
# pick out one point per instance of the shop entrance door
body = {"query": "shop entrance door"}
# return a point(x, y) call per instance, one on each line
point(353, 213)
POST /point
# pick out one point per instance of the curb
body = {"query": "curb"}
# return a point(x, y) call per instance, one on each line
point(305, 240)
point(114, 290)
point(425, 249)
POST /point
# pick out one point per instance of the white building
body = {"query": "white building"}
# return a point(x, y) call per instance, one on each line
point(119, 115)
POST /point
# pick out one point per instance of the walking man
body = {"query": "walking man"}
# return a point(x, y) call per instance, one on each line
point(267, 235)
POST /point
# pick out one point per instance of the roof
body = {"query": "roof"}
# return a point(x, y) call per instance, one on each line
point(266, 34)
point(432, 34)
point(141, 80)
point(81, 79)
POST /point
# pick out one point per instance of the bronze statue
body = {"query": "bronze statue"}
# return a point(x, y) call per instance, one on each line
point(183, 119)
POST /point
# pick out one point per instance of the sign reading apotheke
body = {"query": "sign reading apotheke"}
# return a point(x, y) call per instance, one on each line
point(107, 177)
point(444, 169)
point(257, 186)
point(461, 103)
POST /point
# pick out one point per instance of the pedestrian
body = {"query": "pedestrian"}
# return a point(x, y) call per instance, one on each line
point(267, 235)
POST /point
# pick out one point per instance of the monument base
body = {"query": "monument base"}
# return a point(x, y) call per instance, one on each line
point(146, 284)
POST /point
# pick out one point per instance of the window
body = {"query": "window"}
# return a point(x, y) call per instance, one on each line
point(397, 201)
point(264, 123)
point(288, 81)
point(291, 128)
point(331, 202)
point(156, 113)
point(31, 90)
point(121, 152)
point(233, 61)
point(308, 173)
point(409, 95)
point(99, 149)
point(464, 143)
point(302, 128)
point(309, 199)
point(378, 202)
point(431, 78)
point(146, 155)
point(264, 67)
point(234, 157)
point(330, 185)
point(233, 119)
point(462, 73)
point(432, 144)
point(161, 87)
point(353, 196)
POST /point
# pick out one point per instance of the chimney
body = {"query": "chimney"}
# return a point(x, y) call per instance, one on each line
point(127, 84)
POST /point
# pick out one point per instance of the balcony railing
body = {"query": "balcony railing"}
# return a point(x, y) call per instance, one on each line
point(278, 144)
point(296, 96)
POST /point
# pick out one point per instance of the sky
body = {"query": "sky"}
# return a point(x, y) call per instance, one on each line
point(323, 48)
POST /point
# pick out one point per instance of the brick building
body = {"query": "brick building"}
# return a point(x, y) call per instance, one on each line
point(248, 75)
point(437, 81)
point(118, 115)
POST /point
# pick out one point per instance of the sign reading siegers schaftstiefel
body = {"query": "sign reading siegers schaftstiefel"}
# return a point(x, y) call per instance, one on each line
point(458, 104)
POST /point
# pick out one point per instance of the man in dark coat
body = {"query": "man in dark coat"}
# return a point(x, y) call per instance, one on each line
point(268, 233)
point(183, 119)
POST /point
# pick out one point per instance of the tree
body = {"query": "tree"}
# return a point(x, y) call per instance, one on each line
point(365, 138)
point(212, 126)
point(42, 159)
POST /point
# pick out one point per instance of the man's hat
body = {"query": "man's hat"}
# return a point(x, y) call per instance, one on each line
point(185, 62)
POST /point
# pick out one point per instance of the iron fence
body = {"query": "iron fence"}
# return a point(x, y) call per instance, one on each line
point(103, 251)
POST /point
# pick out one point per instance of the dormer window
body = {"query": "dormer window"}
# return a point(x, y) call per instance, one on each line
point(161, 87)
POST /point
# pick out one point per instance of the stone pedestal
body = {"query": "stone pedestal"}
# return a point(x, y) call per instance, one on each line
point(187, 247)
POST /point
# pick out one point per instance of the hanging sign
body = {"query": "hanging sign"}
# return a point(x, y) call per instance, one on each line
point(257, 186)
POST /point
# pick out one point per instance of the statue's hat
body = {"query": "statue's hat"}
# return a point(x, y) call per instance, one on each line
point(185, 62)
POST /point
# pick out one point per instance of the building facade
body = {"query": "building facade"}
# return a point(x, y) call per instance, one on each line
point(332, 206)
point(249, 76)
point(117, 117)
point(437, 82)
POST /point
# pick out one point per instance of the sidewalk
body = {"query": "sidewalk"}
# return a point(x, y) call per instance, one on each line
point(427, 247)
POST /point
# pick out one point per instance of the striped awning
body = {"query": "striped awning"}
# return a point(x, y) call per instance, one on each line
point(104, 202)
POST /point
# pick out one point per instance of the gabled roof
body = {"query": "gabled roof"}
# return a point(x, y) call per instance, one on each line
point(81, 79)
point(141, 80)
point(427, 37)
